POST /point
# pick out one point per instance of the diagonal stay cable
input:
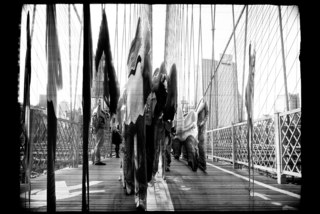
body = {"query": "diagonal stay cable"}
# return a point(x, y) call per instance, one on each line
point(225, 50)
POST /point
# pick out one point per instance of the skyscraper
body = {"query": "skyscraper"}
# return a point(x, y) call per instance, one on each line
point(225, 98)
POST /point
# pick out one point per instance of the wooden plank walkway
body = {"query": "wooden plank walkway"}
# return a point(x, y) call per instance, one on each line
point(220, 189)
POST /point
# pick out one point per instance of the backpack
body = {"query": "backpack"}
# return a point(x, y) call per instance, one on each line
point(95, 123)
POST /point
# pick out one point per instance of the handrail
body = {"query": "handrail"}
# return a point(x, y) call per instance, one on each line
point(272, 142)
point(69, 142)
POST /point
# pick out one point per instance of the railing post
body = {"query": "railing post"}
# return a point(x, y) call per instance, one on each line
point(233, 140)
point(31, 131)
point(277, 140)
point(211, 140)
point(77, 145)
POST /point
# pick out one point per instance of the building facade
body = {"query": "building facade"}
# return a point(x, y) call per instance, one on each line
point(223, 93)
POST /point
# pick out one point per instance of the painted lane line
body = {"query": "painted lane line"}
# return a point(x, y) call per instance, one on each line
point(158, 196)
point(286, 207)
point(257, 182)
point(62, 191)
point(276, 203)
point(79, 186)
point(263, 196)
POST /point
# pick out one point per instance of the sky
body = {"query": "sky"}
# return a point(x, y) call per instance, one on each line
point(223, 30)
point(159, 18)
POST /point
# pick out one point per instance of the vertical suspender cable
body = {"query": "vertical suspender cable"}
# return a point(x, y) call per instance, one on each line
point(216, 77)
point(75, 92)
point(225, 50)
point(236, 97)
point(125, 31)
point(70, 70)
point(86, 93)
point(194, 61)
point(181, 54)
point(194, 65)
point(130, 36)
point(33, 18)
point(213, 18)
point(283, 60)
point(186, 49)
point(244, 63)
point(201, 56)
point(190, 41)
point(200, 38)
point(134, 14)
point(123, 42)
point(116, 41)
point(176, 33)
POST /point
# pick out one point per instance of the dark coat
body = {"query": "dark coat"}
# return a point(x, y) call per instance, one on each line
point(116, 137)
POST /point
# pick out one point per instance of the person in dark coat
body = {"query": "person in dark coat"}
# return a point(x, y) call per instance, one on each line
point(116, 140)
point(160, 110)
point(99, 121)
point(159, 87)
point(203, 114)
point(138, 88)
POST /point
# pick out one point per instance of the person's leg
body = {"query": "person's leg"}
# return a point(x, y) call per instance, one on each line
point(121, 177)
point(141, 168)
point(99, 144)
point(127, 160)
point(168, 151)
point(184, 150)
point(93, 150)
point(150, 150)
point(117, 147)
point(157, 137)
point(191, 145)
point(202, 150)
point(163, 146)
point(176, 147)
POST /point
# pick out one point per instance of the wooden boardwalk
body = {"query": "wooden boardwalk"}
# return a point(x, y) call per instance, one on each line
point(220, 189)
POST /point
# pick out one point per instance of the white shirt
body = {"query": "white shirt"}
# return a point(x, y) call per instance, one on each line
point(134, 103)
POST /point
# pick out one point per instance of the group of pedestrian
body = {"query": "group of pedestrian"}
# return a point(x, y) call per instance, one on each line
point(100, 122)
point(145, 115)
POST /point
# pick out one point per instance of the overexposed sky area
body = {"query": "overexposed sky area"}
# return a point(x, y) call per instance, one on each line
point(263, 32)
point(39, 77)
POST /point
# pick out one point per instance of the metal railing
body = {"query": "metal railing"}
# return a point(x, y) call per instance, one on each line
point(68, 145)
point(276, 145)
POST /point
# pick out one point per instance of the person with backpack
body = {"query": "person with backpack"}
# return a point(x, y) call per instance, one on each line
point(99, 119)
point(116, 139)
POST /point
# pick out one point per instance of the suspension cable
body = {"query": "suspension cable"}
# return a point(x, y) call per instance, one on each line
point(183, 51)
point(75, 92)
point(194, 61)
point(180, 51)
point(115, 47)
point(33, 18)
point(130, 36)
point(236, 108)
point(189, 59)
point(70, 66)
point(123, 42)
point(244, 61)
point(194, 66)
point(99, 67)
point(225, 49)
point(199, 38)
point(75, 9)
point(213, 18)
point(186, 48)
